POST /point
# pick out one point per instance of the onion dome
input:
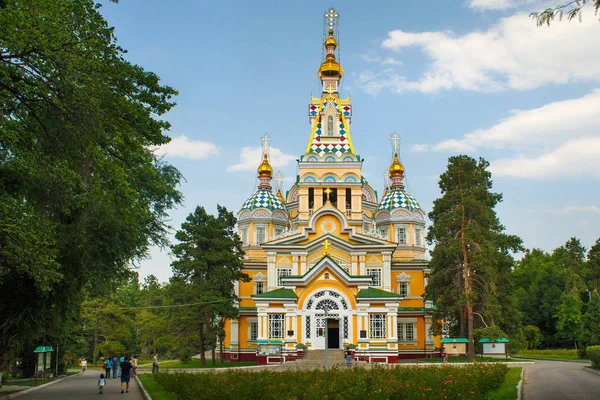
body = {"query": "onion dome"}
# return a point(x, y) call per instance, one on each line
point(263, 198)
point(264, 169)
point(280, 196)
point(330, 67)
point(398, 198)
point(396, 169)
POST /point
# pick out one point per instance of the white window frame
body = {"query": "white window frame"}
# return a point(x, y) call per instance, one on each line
point(252, 322)
point(384, 233)
point(406, 286)
point(281, 272)
point(256, 287)
point(244, 235)
point(378, 326)
point(375, 274)
point(403, 229)
point(403, 324)
point(265, 238)
point(277, 326)
point(418, 236)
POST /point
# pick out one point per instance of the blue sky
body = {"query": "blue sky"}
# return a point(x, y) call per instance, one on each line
point(449, 76)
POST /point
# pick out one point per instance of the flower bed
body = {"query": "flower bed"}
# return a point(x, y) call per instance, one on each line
point(472, 381)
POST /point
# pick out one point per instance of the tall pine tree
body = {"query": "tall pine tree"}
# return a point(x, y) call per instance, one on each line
point(471, 257)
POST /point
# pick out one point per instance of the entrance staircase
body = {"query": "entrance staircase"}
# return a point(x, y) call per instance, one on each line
point(316, 359)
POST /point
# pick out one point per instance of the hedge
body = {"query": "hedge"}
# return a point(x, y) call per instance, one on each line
point(593, 353)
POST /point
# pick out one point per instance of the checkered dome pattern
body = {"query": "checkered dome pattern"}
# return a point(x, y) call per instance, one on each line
point(399, 199)
point(263, 198)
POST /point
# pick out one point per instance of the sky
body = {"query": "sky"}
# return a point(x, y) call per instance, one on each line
point(474, 77)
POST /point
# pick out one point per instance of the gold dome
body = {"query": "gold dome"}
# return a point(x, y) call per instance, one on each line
point(396, 169)
point(265, 169)
point(331, 40)
point(330, 67)
point(280, 196)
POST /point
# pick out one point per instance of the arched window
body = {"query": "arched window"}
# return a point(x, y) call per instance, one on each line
point(330, 126)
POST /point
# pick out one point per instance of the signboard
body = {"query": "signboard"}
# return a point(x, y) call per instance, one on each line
point(455, 348)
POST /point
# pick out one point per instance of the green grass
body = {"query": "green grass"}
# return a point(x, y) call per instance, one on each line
point(156, 391)
point(557, 354)
point(195, 363)
point(452, 360)
point(28, 382)
point(508, 389)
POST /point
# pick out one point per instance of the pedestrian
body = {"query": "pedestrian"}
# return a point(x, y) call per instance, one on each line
point(135, 364)
point(155, 363)
point(445, 356)
point(83, 365)
point(108, 367)
point(121, 369)
point(125, 375)
point(101, 383)
point(115, 367)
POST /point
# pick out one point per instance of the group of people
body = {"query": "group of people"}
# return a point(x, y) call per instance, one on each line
point(127, 368)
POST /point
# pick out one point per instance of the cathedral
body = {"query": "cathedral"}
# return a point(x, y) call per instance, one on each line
point(331, 264)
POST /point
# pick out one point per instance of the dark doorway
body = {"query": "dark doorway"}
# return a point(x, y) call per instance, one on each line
point(333, 338)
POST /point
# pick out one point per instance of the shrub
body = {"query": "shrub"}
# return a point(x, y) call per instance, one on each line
point(593, 353)
point(378, 383)
point(533, 336)
point(300, 346)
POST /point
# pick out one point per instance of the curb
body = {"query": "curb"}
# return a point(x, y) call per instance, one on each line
point(520, 385)
point(552, 359)
point(145, 393)
point(592, 370)
point(33, 389)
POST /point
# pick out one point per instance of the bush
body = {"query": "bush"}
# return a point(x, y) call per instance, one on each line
point(300, 346)
point(378, 383)
point(593, 353)
point(533, 336)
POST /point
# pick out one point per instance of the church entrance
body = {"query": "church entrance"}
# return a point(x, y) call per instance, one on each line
point(327, 316)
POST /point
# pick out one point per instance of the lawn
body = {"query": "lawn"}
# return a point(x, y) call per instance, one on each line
point(508, 389)
point(474, 381)
point(557, 354)
point(156, 391)
point(452, 360)
point(195, 363)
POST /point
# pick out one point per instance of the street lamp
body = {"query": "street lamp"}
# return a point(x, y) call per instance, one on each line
point(326, 309)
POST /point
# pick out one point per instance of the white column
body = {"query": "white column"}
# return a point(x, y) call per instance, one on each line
point(234, 334)
point(290, 322)
point(354, 270)
point(361, 259)
point(262, 326)
point(299, 258)
point(387, 270)
point(271, 275)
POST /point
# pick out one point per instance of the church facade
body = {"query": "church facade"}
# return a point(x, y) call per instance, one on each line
point(330, 263)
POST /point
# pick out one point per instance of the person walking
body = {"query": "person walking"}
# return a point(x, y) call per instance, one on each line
point(125, 375)
point(445, 356)
point(108, 367)
point(83, 365)
point(135, 364)
point(101, 384)
point(115, 367)
point(121, 369)
point(155, 363)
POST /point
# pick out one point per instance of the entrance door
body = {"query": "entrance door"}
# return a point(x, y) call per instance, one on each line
point(333, 338)
point(320, 332)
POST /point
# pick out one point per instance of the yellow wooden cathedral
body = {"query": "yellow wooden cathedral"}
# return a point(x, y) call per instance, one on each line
point(331, 264)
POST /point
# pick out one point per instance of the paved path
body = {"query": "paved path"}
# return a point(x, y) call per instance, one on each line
point(556, 380)
point(84, 387)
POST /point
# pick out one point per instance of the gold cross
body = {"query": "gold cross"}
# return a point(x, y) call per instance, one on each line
point(326, 243)
point(330, 88)
point(327, 191)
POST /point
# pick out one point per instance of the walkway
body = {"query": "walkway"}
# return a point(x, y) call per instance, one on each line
point(558, 380)
point(84, 387)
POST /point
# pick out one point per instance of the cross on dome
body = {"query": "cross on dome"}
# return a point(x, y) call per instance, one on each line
point(395, 138)
point(330, 17)
point(266, 140)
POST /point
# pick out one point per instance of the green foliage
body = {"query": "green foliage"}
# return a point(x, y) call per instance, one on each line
point(473, 381)
point(569, 322)
point(593, 353)
point(508, 389)
point(156, 391)
point(553, 354)
point(591, 325)
point(533, 336)
point(471, 262)
point(82, 193)
point(593, 266)
point(572, 8)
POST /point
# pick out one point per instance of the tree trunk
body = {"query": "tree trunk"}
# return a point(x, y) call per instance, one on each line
point(96, 337)
point(3, 359)
point(202, 345)
point(221, 351)
point(213, 356)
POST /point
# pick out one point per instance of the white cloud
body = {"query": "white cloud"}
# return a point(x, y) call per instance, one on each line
point(182, 146)
point(498, 4)
point(513, 54)
point(388, 61)
point(577, 157)
point(251, 157)
point(575, 209)
point(551, 123)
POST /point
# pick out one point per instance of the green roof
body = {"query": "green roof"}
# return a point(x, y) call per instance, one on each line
point(455, 340)
point(497, 340)
point(247, 308)
point(372, 293)
point(43, 349)
point(277, 294)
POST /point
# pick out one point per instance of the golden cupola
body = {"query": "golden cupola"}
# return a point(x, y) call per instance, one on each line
point(264, 169)
point(330, 67)
point(396, 169)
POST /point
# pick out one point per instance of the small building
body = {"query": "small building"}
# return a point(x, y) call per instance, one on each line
point(493, 346)
point(455, 345)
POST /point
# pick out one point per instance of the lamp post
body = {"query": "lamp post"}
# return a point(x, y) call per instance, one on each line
point(326, 309)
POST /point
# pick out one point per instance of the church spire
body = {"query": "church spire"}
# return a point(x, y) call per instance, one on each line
point(396, 169)
point(330, 72)
point(265, 171)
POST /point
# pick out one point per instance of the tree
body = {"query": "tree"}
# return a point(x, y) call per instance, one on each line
point(569, 322)
point(471, 251)
point(573, 9)
point(593, 266)
point(533, 336)
point(82, 194)
point(208, 262)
